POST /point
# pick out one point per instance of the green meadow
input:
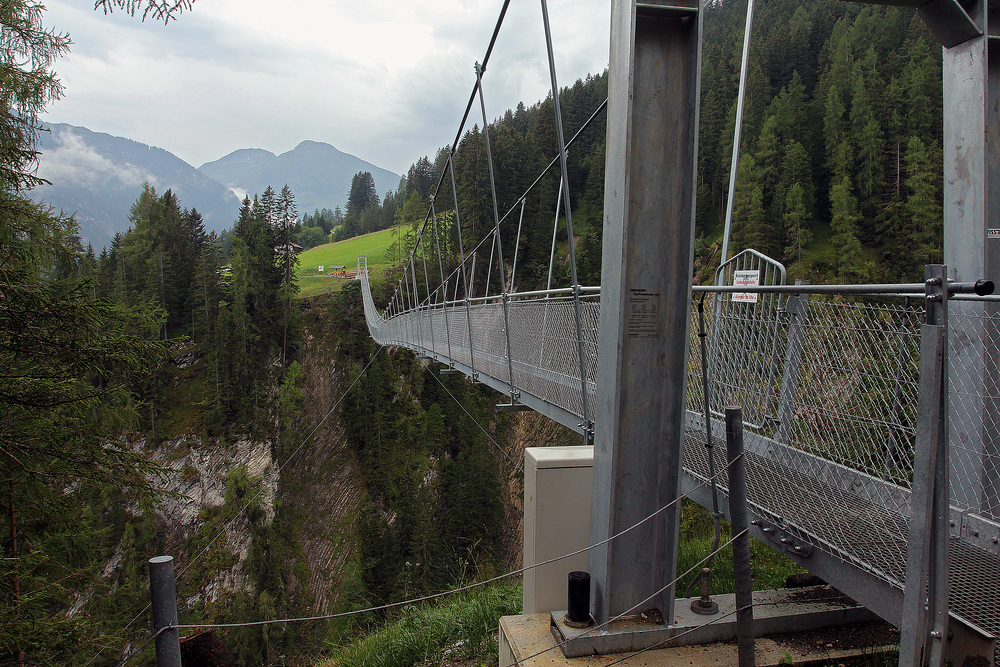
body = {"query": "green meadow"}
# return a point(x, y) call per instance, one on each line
point(374, 245)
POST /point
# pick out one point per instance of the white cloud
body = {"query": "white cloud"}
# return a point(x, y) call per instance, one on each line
point(383, 79)
point(73, 162)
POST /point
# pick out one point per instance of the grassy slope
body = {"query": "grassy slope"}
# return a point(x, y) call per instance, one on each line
point(374, 245)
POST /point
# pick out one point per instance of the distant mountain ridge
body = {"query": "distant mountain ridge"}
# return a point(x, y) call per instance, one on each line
point(318, 174)
point(97, 177)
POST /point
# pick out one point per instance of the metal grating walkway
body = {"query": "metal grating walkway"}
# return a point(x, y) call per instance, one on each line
point(824, 515)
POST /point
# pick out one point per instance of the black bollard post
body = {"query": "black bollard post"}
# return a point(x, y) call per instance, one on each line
point(578, 614)
point(741, 545)
point(164, 605)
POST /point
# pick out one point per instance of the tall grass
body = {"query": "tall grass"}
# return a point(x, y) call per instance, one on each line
point(465, 624)
point(770, 569)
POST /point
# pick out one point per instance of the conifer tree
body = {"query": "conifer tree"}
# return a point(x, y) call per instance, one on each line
point(845, 235)
point(923, 206)
point(797, 222)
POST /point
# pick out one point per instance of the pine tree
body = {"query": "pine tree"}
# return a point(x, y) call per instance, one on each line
point(923, 205)
point(797, 224)
point(28, 85)
point(287, 218)
point(65, 400)
point(845, 233)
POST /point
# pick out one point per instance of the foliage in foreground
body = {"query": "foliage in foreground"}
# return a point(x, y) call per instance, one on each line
point(466, 623)
point(770, 569)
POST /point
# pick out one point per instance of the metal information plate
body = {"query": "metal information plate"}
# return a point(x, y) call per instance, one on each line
point(643, 314)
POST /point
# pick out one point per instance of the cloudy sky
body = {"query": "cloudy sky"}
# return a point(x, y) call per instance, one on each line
point(386, 80)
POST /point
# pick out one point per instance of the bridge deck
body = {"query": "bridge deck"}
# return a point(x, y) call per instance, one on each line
point(838, 480)
point(856, 529)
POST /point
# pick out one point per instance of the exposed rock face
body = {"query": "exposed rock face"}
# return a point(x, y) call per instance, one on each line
point(202, 471)
point(317, 483)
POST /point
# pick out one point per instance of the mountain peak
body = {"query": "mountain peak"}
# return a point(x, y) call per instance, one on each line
point(309, 145)
point(318, 174)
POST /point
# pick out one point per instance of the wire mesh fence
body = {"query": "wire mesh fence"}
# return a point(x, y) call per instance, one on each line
point(831, 384)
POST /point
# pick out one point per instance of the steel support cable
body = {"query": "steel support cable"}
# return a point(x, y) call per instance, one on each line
point(407, 324)
point(517, 242)
point(434, 596)
point(548, 284)
point(642, 602)
point(444, 282)
point(472, 273)
point(465, 273)
point(569, 224)
point(489, 264)
point(472, 100)
point(552, 163)
point(496, 236)
point(427, 286)
point(519, 465)
point(450, 170)
point(716, 514)
point(714, 620)
point(253, 498)
point(142, 647)
point(734, 164)
point(414, 298)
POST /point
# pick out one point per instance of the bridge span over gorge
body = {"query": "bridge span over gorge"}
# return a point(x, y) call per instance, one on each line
point(871, 417)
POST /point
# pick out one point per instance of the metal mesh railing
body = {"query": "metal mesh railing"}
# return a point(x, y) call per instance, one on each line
point(544, 354)
point(974, 418)
point(833, 384)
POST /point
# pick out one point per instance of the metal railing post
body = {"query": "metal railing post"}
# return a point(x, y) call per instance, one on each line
point(587, 426)
point(496, 238)
point(741, 542)
point(444, 283)
point(164, 607)
point(461, 251)
point(796, 307)
point(548, 284)
point(416, 302)
point(427, 286)
point(925, 597)
point(517, 243)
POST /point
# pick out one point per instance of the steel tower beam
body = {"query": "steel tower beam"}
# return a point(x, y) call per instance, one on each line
point(655, 71)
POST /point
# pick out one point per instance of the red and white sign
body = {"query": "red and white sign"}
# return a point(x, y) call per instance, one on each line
point(746, 278)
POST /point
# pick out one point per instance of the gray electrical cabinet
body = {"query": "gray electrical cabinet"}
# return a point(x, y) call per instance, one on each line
point(557, 491)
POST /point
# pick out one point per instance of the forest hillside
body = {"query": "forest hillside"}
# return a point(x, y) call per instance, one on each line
point(174, 393)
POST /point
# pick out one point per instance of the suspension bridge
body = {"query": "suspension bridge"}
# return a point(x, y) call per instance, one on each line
point(871, 425)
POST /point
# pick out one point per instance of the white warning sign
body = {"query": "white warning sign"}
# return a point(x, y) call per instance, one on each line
point(746, 278)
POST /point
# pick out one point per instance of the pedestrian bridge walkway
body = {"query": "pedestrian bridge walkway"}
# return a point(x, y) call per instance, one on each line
point(829, 390)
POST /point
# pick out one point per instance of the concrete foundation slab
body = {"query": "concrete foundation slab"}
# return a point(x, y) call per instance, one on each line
point(527, 640)
point(802, 625)
point(775, 611)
